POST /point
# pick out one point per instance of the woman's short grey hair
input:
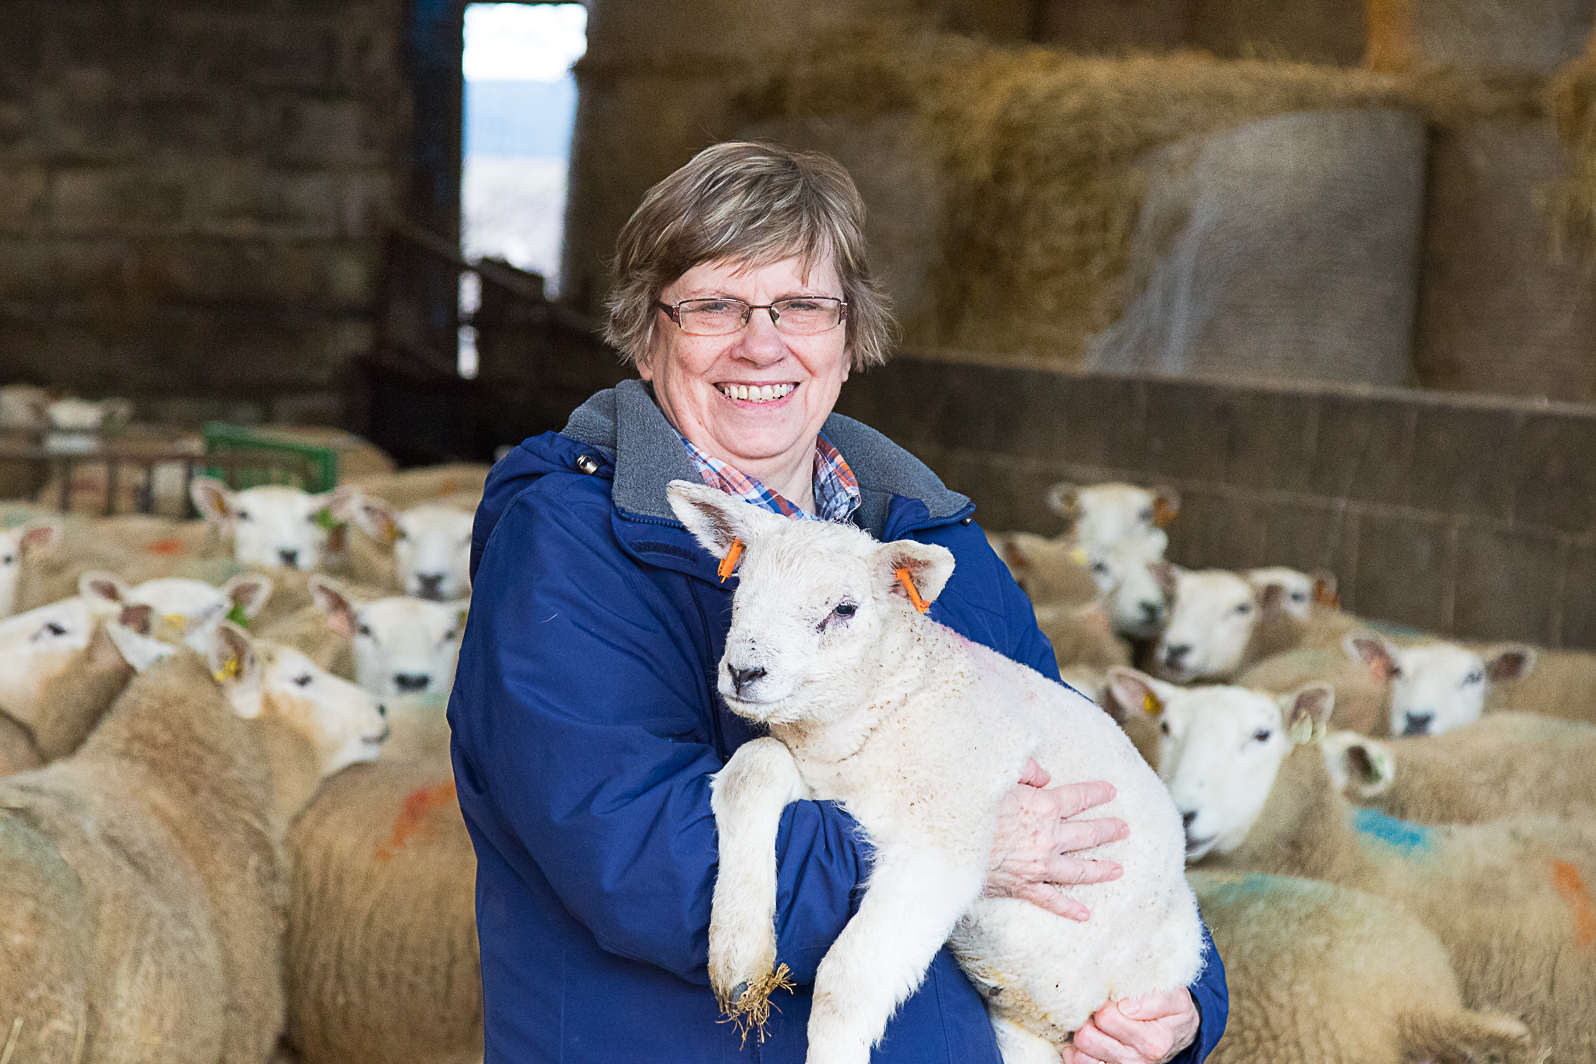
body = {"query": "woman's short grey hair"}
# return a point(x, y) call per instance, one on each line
point(754, 204)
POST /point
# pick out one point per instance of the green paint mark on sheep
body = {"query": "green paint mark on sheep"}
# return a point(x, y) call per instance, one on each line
point(1398, 834)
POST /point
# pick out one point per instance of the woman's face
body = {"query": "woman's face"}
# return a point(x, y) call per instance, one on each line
point(692, 374)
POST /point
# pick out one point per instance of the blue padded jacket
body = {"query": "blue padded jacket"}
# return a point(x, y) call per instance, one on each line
point(586, 728)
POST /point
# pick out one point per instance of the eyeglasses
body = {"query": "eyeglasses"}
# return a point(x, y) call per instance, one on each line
point(798, 316)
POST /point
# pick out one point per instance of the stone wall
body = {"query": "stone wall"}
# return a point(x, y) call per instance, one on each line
point(191, 195)
point(1467, 515)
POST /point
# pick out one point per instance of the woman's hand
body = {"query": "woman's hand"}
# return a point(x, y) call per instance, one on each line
point(1144, 1030)
point(1031, 852)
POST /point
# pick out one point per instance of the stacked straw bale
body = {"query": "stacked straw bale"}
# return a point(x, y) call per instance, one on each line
point(1525, 35)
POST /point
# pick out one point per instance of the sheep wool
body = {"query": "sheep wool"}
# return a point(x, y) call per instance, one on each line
point(1562, 683)
point(1362, 699)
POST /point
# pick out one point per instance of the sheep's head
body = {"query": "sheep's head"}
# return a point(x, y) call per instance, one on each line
point(431, 545)
point(813, 602)
point(275, 526)
point(44, 644)
point(1210, 625)
point(184, 610)
point(1438, 686)
point(401, 645)
point(1112, 513)
point(1220, 748)
point(34, 539)
point(1134, 576)
point(1299, 591)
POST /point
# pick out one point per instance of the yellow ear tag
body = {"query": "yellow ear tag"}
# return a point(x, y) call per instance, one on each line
point(914, 593)
point(392, 535)
point(228, 671)
point(1080, 557)
point(1151, 704)
point(177, 623)
point(728, 564)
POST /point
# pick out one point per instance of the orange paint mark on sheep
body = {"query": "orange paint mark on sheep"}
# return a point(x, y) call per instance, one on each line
point(415, 809)
point(1571, 885)
point(165, 547)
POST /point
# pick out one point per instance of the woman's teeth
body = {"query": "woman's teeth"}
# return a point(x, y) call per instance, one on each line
point(758, 393)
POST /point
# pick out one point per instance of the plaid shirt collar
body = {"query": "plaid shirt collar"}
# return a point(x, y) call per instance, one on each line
point(836, 489)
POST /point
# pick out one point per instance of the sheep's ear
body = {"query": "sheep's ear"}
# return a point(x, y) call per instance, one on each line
point(130, 633)
point(928, 565)
point(1167, 575)
point(335, 602)
point(1166, 506)
point(1307, 712)
point(377, 518)
point(39, 537)
point(1324, 589)
point(236, 667)
point(1063, 499)
point(1374, 653)
point(714, 518)
point(248, 592)
point(340, 500)
point(1513, 662)
point(1128, 694)
point(101, 587)
point(1359, 766)
point(1271, 598)
point(212, 499)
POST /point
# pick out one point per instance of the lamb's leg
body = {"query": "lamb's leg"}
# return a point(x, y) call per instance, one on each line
point(1020, 1046)
point(748, 797)
point(914, 898)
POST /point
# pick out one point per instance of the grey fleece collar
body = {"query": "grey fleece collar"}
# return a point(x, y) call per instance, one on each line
point(625, 423)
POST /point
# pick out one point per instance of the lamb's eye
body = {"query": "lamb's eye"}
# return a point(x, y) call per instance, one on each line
point(1474, 677)
point(1244, 609)
point(845, 610)
point(1100, 568)
point(1299, 596)
point(365, 630)
point(1145, 517)
point(303, 681)
point(52, 629)
point(1262, 735)
point(1164, 727)
point(8, 559)
point(241, 515)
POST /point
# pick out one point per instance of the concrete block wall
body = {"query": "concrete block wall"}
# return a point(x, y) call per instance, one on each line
point(1467, 515)
point(191, 196)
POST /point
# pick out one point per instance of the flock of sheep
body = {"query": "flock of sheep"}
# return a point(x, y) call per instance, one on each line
point(1390, 834)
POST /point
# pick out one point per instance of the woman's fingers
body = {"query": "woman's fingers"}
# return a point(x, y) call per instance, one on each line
point(1145, 1030)
point(1074, 872)
point(1053, 900)
point(1076, 798)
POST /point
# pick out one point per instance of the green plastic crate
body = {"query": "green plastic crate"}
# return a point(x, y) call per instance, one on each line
point(260, 458)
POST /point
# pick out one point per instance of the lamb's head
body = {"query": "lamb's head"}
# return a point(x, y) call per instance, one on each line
point(1112, 513)
point(1298, 591)
point(1221, 748)
point(401, 645)
point(813, 606)
point(32, 540)
point(431, 545)
point(1134, 576)
point(186, 611)
point(43, 645)
point(1210, 625)
point(275, 526)
point(1437, 687)
point(1047, 570)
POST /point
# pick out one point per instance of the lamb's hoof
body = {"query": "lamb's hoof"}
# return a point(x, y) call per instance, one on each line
point(738, 991)
point(748, 1004)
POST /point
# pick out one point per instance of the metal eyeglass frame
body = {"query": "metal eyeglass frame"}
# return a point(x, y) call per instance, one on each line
point(674, 313)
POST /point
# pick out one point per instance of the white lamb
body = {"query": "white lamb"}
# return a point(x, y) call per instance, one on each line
point(276, 526)
point(919, 734)
point(401, 645)
point(1112, 513)
point(431, 545)
point(186, 611)
point(1436, 687)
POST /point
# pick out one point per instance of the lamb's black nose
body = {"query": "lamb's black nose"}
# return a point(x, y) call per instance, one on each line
point(413, 681)
point(741, 678)
point(290, 558)
point(1418, 724)
point(431, 586)
point(1152, 612)
point(1175, 655)
point(1187, 818)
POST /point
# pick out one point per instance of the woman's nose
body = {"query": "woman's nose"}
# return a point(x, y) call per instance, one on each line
point(760, 341)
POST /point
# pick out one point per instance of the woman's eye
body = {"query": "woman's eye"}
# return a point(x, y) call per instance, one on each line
point(847, 609)
point(1262, 735)
point(303, 681)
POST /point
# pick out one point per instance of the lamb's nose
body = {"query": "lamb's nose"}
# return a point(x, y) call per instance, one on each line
point(1152, 612)
point(289, 558)
point(411, 681)
point(741, 678)
point(1174, 656)
point(431, 586)
point(1418, 724)
point(1187, 818)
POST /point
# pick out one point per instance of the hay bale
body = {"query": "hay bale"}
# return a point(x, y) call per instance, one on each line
point(1310, 31)
point(1507, 304)
point(1296, 252)
point(1529, 35)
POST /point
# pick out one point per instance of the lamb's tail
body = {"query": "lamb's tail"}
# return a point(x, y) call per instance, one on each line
point(1463, 1037)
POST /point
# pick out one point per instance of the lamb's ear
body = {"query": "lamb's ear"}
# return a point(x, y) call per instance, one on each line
point(1359, 766)
point(1167, 575)
point(1324, 589)
point(39, 537)
point(248, 592)
point(1063, 499)
point(236, 667)
point(137, 647)
point(1135, 694)
point(1271, 598)
point(714, 518)
point(101, 588)
point(1307, 712)
point(1166, 506)
point(335, 602)
point(377, 518)
point(1509, 663)
point(212, 499)
point(928, 565)
point(1374, 653)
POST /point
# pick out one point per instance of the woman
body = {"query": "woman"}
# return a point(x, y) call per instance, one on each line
point(585, 716)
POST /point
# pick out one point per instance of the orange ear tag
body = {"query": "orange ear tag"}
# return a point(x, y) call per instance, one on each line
point(914, 593)
point(728, 564)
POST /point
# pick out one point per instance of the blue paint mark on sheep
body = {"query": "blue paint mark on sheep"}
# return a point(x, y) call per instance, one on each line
point(1398, 834)
point(1227, 890)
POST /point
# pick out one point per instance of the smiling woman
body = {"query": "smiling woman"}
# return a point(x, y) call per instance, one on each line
point(587, 732)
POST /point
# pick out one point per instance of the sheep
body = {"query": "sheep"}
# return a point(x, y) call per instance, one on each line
point(26, 543)
point(431, 545)
point(1128, 574)
point(276, 526)
point(861, 692)
point(59, 671)
point(1321, 973)
point(1299, 592)
point(138, 548)
point(1503, 765)
point(18, 751)
point(1084, 643)
point(145, 884)
point(1510, 900)
point(1362, 694)
point(1102, 514)
point(381, 961)
point(188, 611)
point(1047, 570)
point(418, 727)
point(1439, 686)
point(1562, 684)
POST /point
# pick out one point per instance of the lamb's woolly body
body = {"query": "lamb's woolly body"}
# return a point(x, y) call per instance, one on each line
point(18, 751)
point(1362, 700)
point(1511, 900)
point(1082, 637)
point(1323, 973)
point(457, 483)
point(80, 686)
point(1502, 765)
point(381, 961)
point(164, 817)
point(1561, 684)
point(135, 547)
